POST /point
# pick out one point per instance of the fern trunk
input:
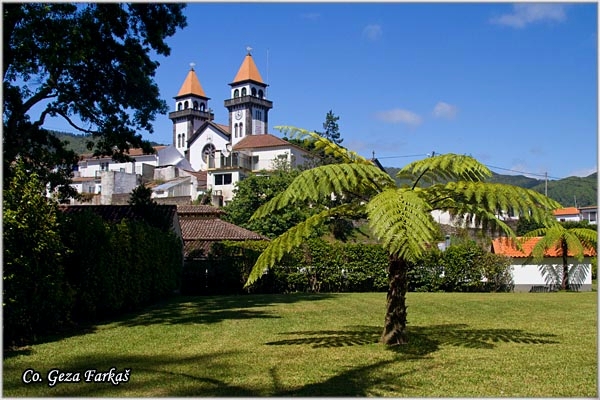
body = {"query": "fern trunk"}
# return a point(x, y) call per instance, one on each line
point(564, 285)
point(394, 331)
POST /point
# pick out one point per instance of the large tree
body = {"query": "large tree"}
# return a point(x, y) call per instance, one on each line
point(88, 63)
point(331, 128)
point(399, 216)
point(570, 240)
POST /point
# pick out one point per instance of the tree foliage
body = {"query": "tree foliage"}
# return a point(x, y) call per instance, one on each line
point(399, 216)
point(256, 190)
point(34, 293)
point(89, 64)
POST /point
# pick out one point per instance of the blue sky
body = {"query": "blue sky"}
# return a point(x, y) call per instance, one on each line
point(514, 85)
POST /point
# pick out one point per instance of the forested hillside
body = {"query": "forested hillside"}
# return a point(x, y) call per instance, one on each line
point(570, 192)
point(78, 143)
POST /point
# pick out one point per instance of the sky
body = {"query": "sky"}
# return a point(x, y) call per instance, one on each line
point(513, 85)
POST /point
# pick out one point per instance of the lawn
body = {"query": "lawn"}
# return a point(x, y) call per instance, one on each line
point(462, 345)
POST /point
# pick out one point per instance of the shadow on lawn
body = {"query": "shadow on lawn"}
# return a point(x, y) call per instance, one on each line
point(208, 310)
point(423, 340)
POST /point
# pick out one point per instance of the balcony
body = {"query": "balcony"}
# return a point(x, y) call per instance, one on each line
point(191, 112)
point(233, 161)
point(249, 99)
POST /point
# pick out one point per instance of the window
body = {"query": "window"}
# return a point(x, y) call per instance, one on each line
point(195, 105)
point(243, 92)
point(222, 179)
point(235, 129)
point(208, 152)
point(260, 94)
point(186, 105)
point(183, 140)
point(253, 92)
point(179, 106)
point(241, 129)
point(202, 107)
point(236, 93)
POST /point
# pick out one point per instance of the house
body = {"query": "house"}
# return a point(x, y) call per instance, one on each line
point(568, 214)
point(229, 152)
point(201, 226)
point(589, 214)
point(545, 275)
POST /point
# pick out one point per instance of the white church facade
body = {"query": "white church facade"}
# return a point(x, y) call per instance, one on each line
point(229, 152)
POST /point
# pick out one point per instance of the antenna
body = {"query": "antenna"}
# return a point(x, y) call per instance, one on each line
point(266, 89)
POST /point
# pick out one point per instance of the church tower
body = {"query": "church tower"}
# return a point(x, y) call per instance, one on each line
point(248, 106)
point(192, 110)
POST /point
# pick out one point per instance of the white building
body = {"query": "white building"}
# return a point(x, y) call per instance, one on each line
point(229, 152)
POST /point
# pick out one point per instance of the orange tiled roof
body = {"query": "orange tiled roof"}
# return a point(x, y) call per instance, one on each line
point(567, 211)
point(255, 141)
point(505, 246)
point(191, 85)
point(248, 71)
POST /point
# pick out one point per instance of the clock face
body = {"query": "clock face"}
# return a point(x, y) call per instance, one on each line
point(238, 114)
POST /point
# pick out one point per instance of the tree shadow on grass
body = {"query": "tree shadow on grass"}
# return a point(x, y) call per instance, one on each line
point(423, 340)
point(212, 309)
point(150, 376)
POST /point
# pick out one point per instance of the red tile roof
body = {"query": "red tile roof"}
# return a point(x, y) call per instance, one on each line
point(258, 141)
point(505, 246)
point(567, 211)
point(215, 229)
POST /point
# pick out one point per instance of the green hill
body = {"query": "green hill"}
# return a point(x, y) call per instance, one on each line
point(570, 192)
point(78, 143)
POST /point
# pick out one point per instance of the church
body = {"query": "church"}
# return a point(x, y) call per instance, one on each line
point(229, 152)
point(204, 156)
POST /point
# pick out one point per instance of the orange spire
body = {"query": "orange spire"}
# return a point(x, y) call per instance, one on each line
point(248, 71)
point(191, 85)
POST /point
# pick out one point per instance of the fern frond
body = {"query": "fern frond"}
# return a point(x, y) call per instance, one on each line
point(445, 167)
point(292, 238)
point(324, 144)
point(401, 219)
point(476, 198)
point(320, 182)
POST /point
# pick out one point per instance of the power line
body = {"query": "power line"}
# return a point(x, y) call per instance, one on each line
point(545, 175)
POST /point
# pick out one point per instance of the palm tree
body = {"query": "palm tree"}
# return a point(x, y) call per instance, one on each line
point(567, 241)
point(399, 216)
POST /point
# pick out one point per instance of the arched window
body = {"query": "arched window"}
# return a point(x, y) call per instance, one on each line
point(183, 140)
point(179, 140)
point(235, 129)
point(179, 106)
point(236, 93)
point(186, 105)
point(241, 129)
point(253, 92)
point(195, 105)
point(260, 94)
point(243, 92)
point(202, 107)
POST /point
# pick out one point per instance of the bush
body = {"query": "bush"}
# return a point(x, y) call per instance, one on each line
point(464, 267)
point(35, 295)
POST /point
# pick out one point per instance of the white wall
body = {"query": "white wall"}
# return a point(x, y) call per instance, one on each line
point(195, 151)
point(525, 274)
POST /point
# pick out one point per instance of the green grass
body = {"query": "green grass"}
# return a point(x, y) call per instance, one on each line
point(462, 345)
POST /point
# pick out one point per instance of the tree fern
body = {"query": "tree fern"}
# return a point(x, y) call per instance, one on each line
point(443, 168)
point(321, 143)
point(317, 183)
point(292, 238)
point(401, 219)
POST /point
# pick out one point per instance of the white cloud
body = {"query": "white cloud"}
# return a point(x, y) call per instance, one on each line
point(524, 14)
point(398, 115)
point(584, 172)
point(445, 110)
point(373, 32)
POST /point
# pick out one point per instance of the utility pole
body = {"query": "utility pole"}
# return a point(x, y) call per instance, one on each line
point(546, 189)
